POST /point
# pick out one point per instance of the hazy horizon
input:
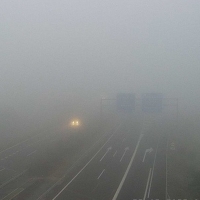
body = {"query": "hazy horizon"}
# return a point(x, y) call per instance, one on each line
point(61, 56)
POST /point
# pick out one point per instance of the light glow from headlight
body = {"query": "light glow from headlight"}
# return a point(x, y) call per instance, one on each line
point(75, 123)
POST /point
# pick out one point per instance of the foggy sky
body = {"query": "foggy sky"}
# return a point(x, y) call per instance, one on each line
point(59, 53)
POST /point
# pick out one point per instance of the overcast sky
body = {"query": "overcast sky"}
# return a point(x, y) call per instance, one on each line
point(63, 50)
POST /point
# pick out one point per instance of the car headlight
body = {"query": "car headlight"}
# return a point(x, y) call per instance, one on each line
point(75, 123)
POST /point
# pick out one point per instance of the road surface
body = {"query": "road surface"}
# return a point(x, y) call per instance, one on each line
point(129, 165)
point(15, 160)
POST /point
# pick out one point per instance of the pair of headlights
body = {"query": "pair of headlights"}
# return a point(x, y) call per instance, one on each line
point(75, 123)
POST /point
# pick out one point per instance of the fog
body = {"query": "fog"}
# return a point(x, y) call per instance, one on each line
point(58, 58)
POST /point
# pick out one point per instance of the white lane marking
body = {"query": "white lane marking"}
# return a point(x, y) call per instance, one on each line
point(127, 170)
point(147, 151)
point(153, 167)
point(10, 193)
point(83, 168)
point(18, 175)
point(9, 148)
point(2, 169)
point(79, 159)
point(24, 141)
point(20, 189)
point(31, 153)
point(147, 185)
point(105, 153)
point(19, 143)
point(125, 150)
point(115, 153)
point(101, 174)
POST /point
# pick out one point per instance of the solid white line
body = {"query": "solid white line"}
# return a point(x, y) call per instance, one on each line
point(101, 174)
point(74, 164)
point(114, 153)
point(153, 167)
point(82, 168)
point(31, 153)
point(147, 185)
point(127, 170)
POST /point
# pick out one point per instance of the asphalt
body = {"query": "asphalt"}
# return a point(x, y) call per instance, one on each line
point(147, 177)
point(18, 182)
point(15, 160)
point(129, 163)
point(123, 153)
point(103, 170)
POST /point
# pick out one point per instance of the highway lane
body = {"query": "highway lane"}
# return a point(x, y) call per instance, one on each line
point(139, 157)
point(43, 184)
point(147, 176)
point(14, 162)
point(158, 184)
point(99, 177)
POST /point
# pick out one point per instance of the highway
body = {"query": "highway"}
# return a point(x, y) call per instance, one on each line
point(15, 161)
point(147, 176)
point(128, 162)
point(18, 183)
point(103, 170)
point(129, 165)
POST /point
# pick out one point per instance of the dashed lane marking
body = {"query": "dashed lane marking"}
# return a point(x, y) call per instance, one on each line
point(115, 154)
point(101, 174)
